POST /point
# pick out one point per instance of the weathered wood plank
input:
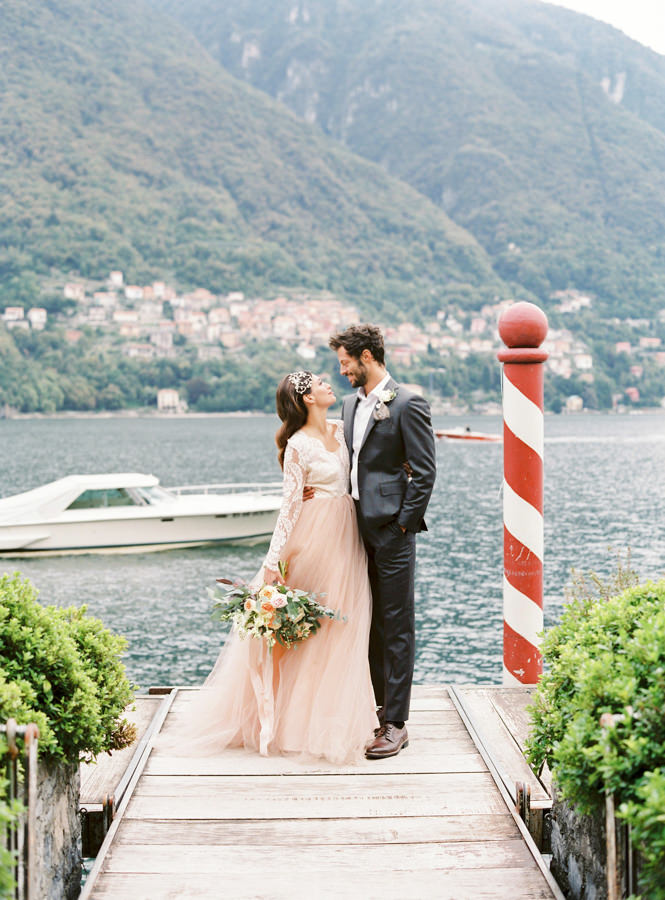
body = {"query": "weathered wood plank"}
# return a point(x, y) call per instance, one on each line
point(286, 797)
point(198, 808)
point(427, 758)
point(423, 696)
point(197, 859)
point(430, 696)
point(443, 884)
point(102, 777)
point(312, 787)
point(428, 690)
point(440, 731)
point(512, 706)
point(419, 717)
point(501, 745)
point(260, 832)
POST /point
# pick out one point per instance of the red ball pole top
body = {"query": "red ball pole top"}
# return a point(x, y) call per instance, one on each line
point(523, 325)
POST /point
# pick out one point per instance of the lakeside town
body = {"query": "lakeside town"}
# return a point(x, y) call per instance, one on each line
point(152, 321)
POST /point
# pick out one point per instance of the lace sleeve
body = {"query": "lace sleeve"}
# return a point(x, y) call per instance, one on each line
point(294, 481)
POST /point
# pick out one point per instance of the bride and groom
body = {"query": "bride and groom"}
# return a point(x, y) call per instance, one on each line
point(354, 496)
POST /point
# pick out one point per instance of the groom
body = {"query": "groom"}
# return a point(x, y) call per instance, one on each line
point(388, 431)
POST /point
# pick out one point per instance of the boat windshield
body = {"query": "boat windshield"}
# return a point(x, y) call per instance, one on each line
point(154, 494)
point(96, 499)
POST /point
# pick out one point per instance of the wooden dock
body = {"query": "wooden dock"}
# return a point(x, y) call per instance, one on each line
point(435, 821)
point(104, 782)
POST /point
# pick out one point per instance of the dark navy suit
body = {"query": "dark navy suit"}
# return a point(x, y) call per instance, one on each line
point(388, 499)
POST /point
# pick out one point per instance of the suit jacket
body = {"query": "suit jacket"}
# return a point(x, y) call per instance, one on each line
point(386, 492)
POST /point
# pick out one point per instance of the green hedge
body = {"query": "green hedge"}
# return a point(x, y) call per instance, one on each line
point(607, 655)
point(61, 669)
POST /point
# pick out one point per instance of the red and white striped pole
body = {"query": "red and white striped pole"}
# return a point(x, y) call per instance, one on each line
point(523, 328)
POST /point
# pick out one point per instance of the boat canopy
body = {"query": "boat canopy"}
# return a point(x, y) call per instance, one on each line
point(53, 498)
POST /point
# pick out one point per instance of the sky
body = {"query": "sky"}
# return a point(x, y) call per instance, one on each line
point(642, 20)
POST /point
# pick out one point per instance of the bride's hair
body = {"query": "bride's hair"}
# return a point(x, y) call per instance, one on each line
point(291, 409)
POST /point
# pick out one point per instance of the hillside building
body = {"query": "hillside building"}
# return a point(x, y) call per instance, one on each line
point(168, 400)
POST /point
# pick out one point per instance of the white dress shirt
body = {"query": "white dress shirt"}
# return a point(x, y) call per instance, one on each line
point(364, 409)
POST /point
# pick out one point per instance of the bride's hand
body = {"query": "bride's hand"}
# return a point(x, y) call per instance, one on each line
point(307, 492)
point(272, 576)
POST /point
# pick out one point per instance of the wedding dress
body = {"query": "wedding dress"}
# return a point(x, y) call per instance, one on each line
point(315, 699)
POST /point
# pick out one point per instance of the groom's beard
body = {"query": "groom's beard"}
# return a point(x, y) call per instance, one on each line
point(358, 378)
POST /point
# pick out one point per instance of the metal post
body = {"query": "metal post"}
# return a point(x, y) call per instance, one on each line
point(30, 842)
point(13, 842)
point(523, 328)
point(22, 840)
point(608, 721)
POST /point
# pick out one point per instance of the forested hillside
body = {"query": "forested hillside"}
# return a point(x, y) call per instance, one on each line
point(539, 130)
point(423, 161)
point(125, 145)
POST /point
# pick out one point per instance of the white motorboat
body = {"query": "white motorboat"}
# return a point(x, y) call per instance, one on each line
point(132, 512)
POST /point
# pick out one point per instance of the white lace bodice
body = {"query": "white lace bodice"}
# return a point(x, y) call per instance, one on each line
point(307, 462)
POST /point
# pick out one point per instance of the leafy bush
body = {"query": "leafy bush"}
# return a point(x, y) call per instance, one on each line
point(607, 655)
point(61, 669)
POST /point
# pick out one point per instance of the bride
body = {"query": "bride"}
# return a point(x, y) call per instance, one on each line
point(315, 699)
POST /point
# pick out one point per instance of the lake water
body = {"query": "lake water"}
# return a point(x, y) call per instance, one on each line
point(604, 488)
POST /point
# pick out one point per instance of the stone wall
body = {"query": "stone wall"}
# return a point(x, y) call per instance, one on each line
point(578, 852)
point(58, 844)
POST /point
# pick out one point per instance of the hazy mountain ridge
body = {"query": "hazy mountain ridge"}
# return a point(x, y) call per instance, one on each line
point(512, 116)
point(127, 146)
point(631, 75)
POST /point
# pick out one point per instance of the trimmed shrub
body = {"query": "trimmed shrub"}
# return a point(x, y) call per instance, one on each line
point(607, 655)
point(61, 669)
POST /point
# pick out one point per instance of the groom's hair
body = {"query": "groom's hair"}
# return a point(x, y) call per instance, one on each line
point(358, 338)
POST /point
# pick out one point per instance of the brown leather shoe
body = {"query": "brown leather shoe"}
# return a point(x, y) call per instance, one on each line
point(388, 742)
point(379, 715)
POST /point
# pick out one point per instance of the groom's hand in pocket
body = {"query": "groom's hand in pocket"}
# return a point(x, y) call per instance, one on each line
point(307, 492)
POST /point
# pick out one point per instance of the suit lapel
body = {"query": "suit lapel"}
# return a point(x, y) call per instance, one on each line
point(350, 403)
point(390, 386)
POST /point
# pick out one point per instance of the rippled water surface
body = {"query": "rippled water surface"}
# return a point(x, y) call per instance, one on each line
point(604, 487)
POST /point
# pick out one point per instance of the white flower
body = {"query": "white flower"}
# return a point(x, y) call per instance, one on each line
point(387, 396)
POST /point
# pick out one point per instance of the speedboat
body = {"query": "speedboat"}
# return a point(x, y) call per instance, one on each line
point(465, 434)
point(132, 512)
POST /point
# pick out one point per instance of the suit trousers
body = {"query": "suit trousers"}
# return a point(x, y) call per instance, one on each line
point(391, 556)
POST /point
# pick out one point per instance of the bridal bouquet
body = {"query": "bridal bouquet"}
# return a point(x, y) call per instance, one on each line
point(274, 612)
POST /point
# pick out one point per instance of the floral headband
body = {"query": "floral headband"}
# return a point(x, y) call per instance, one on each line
point(301, 381)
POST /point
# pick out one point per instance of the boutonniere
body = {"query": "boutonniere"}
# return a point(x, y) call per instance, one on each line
point(381, 410)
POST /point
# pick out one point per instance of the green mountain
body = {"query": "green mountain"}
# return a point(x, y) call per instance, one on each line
point(539, 130)
point(125, 145)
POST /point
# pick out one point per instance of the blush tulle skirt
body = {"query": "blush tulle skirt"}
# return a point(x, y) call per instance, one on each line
point(315, 700)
